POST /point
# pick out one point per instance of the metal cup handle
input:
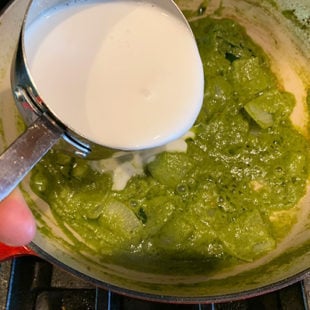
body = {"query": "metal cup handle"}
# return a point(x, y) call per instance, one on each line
point(20, 157)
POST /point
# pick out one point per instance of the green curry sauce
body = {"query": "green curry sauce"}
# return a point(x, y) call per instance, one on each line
point(231, 197)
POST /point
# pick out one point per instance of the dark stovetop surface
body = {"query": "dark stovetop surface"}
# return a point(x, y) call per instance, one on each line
point(32, 283)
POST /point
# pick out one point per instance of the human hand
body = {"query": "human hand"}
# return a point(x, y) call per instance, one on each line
point(17, 224)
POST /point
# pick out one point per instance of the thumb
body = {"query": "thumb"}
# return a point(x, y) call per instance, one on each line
point(17, 224)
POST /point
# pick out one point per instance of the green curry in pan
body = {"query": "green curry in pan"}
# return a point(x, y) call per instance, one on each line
point(227, 195)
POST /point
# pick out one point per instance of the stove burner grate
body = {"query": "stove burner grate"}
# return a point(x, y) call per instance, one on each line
point(35, 284)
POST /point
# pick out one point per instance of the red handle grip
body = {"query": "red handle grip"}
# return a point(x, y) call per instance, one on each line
point(8, 252)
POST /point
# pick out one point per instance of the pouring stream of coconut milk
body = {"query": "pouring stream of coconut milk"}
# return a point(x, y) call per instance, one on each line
point(124, 74)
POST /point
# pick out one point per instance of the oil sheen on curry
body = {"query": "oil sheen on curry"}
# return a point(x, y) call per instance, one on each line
point(224, 194)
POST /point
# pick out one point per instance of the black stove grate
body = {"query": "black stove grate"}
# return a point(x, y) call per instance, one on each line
point(35, 284)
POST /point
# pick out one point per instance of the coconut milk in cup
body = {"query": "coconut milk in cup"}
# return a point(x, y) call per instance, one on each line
point(101, 75)
point(124, 74)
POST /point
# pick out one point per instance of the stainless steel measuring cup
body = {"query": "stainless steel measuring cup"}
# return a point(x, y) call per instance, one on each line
point(44, 128)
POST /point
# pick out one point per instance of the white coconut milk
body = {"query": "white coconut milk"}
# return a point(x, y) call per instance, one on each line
point(124, 74)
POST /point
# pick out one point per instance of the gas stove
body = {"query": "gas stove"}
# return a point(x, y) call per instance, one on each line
point(33, 283)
